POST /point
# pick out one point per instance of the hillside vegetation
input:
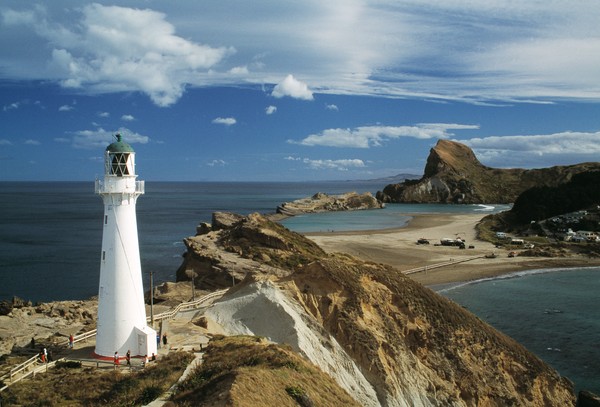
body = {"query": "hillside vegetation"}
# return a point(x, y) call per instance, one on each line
point(543, 202)
point(410, 345)
point(247, 371)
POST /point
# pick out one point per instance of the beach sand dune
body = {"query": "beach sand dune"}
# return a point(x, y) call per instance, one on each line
point(399, 249)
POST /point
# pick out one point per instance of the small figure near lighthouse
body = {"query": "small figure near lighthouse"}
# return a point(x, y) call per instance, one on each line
point(121, 310)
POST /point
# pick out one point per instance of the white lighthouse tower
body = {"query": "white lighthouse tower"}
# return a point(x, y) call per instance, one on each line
point(121, 310)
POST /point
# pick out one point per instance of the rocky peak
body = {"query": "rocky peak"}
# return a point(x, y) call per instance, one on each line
point(453, 174)
point(450, 156)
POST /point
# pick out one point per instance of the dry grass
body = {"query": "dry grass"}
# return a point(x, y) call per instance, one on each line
point(249, 371)
point(71, 385)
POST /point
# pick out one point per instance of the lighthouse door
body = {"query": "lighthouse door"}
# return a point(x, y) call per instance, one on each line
point(142, 348)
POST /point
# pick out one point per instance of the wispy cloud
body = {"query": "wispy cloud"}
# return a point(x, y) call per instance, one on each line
point(5, 142)
point(65, 108)
point(293, 88)
point(227, 121)
point(339, 165)
point(328, 164)
point(11, 106)
point(127, 118)
point(536, 150)
point(100, 138)
point(374, 136)
point(479, 52)
point(103, 114)
point(216, 163)
point(332, 107)
point(31, 142)
point(270, 109)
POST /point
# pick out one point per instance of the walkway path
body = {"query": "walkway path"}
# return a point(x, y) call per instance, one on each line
point(181, 334)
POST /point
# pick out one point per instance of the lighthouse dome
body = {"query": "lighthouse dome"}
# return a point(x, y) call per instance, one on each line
point(119, 146)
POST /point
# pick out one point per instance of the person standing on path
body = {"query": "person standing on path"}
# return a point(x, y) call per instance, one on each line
point(71, 341)
point(128, 358)
point(116, 359)
point(164, 339)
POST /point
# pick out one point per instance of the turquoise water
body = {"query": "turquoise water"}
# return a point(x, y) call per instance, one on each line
point(392, 216)
point(554, 313)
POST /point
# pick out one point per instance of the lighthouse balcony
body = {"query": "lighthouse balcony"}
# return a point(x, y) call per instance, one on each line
point(119, 185)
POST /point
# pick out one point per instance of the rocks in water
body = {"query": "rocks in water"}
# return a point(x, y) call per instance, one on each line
point(321, 202)
point(588, 399)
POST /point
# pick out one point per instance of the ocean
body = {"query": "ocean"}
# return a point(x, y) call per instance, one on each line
point(51, 237)
point(555, 313)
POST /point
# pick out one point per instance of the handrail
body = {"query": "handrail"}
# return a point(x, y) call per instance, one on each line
point(438, 265)
point(184, 306)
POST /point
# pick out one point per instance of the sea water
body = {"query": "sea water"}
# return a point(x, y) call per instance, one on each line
point(554, 313)
point(51, 237)
point(51, 232)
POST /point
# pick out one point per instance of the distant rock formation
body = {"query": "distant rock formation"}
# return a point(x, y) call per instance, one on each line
point(321, 202)
point(387, 340)
point(454, 175)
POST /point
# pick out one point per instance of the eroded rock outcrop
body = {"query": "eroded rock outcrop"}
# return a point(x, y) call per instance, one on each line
point(454, 175)
point(321, 202)
point(385, 339)
point(49, 323)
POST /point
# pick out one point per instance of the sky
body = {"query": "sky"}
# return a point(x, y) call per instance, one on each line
point(273, 90)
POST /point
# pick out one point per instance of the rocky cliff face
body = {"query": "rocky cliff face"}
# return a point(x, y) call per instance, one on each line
point(454, 175)
point(384, 338)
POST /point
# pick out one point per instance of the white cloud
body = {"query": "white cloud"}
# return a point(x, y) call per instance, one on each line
point(31, 142)
point(451, 50)
point(100, 138)
point(227, 121)
point(11, 106)
point(112, 49)
point(127, 118)
point(293, 88)
point(65, 108)
point(239, 70)
point(340, 165)
point(374, 136)
point(103, 114)
point(216, 163)
point(5, 142)
point(537, 150)
point(332, 107)
point(270, 109)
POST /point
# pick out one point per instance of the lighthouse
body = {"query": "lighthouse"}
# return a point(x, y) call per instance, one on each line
point(121, 323)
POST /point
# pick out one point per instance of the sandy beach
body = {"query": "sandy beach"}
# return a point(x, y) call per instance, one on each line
point(399, 249)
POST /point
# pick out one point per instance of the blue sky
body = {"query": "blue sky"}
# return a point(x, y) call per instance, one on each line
point(294, 91)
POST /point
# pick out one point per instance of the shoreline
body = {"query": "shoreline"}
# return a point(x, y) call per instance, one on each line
point(398, 248)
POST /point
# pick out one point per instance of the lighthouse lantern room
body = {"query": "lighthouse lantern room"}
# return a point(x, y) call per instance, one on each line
point(121, 319)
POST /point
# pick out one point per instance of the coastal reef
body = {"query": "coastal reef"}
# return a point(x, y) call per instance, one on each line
point(384, 338)
point(321, 202)
point(453, 174)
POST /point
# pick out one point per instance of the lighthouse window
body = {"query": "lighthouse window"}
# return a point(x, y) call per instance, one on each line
point(119, 164)
point(105, 219)
point(103, 255)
